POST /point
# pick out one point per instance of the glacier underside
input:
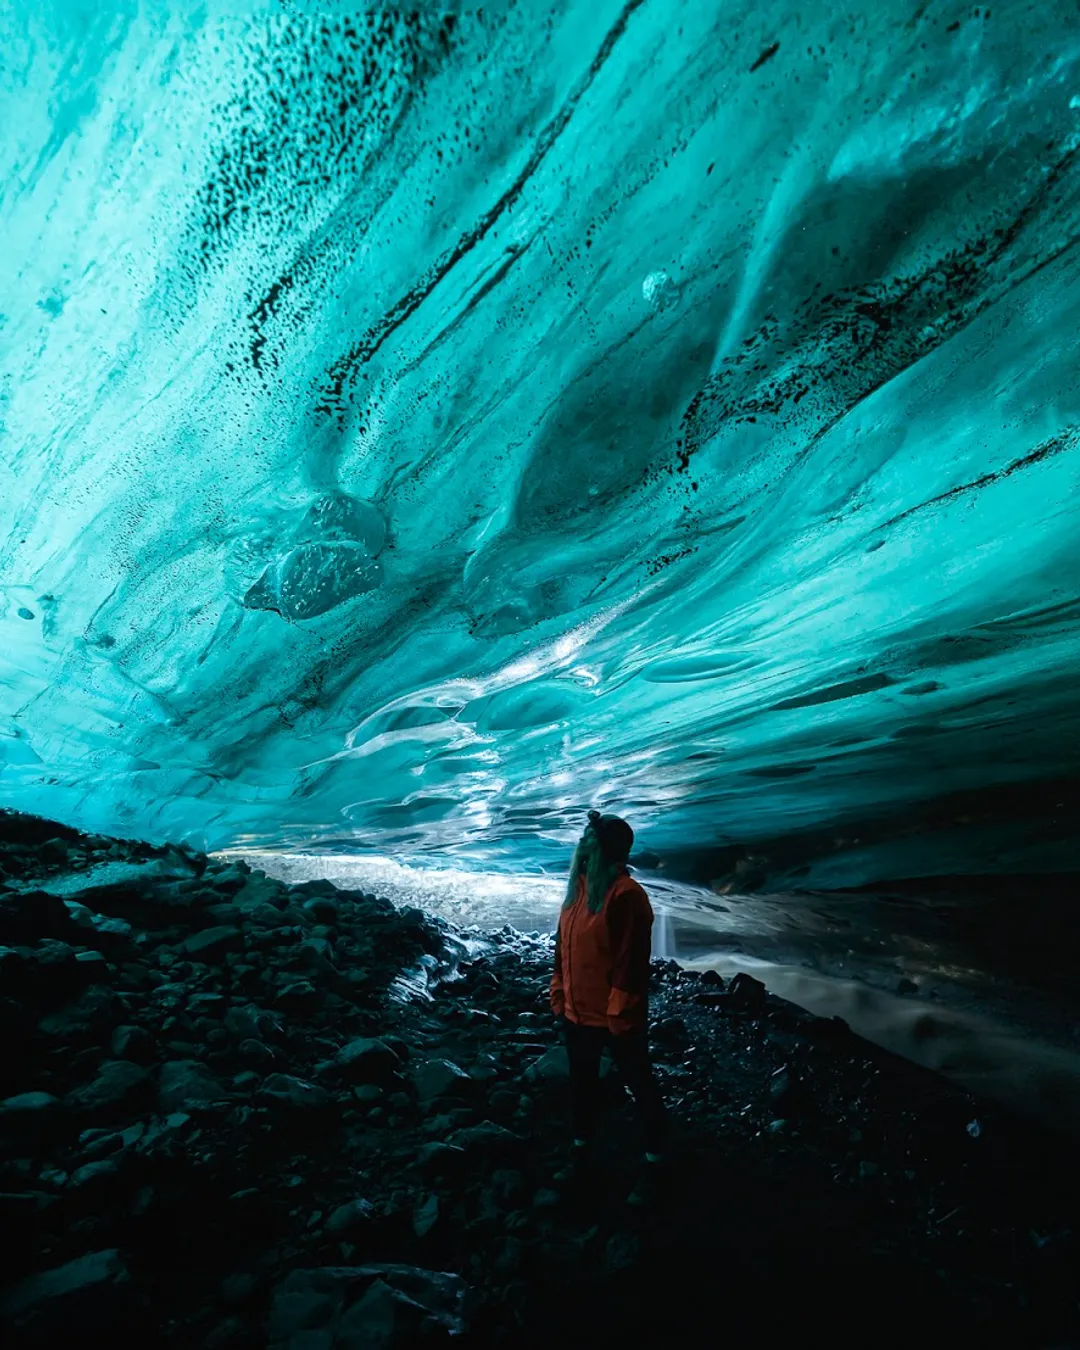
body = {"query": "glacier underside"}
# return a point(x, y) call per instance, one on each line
point(418, 429)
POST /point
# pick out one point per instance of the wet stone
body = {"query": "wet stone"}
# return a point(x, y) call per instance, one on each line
point(186, 1083)
point(287, 1090)
point(438, 1078)
point(118, 1084)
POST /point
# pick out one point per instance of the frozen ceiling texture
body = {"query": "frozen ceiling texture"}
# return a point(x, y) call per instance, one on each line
point(418, 428)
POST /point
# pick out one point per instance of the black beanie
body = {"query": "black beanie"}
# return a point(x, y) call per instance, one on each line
point(615, 835)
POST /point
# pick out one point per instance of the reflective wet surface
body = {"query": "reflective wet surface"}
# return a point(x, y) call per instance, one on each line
point(943, 984)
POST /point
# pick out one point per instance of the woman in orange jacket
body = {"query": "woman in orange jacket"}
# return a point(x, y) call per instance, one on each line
point(601, 981)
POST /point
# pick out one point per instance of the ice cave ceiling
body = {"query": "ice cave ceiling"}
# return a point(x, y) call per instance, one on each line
point(420, 427)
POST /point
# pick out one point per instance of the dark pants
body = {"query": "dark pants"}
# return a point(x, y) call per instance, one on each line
point(630, 1051)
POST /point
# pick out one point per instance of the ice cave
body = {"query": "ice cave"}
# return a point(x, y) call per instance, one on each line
point(421, 427)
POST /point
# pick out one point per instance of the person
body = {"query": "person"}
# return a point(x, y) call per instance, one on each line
point(599, 989)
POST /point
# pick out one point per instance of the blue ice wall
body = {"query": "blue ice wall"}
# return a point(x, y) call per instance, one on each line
point(424, 428)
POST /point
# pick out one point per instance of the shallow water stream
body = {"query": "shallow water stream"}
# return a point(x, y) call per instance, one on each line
point(899, 970)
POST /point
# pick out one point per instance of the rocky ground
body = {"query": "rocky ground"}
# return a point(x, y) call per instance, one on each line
point(237, 1113)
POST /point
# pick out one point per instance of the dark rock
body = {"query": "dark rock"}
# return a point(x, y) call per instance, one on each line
point(54, 1296)
point(243, 1023)
point(285, 1090)
point(366, 1061)
point(27, 917)
point(54, 974)
point(437, 1078)
point(712, 977)
point(746, 992)
point(324, 908)
point(503, 1101)
point(133, 1043)
point(96, 1010)
point(400, 1048)
point(425, 1215)
point(213, 943)
point(29, 1104)
point(21, 1207)
point(205, 1005)
point(488, 1138)
point(118, 1085)
point(782, 1089)
point(238, 1288)
point(438, 1159)
point(94, 1174)
point(672, 1031)
point(906, 986)
point(622, 1251)
point(100, 1143)
point(164, 1134)
point(373, 1307)
point(299, 997)
point(348, 1218)
point(184, 1083)
point(233, 1333)
point(553, 1065)
point(254, 1052)
point(508, 1256)
point(93, 967)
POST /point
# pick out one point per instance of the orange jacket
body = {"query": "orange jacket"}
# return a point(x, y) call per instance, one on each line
point(601, 974)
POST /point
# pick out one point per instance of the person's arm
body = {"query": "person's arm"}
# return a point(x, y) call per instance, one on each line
point(558, 1000)
point(630, 933)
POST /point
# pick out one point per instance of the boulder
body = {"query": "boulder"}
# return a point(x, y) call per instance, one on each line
point(213, 942)
point(400, 1048)
point(243, 1023)
point(285, 1090)
point(118, 1085)
point(96, 1010)
point(425, 1215)
point(672, 1031)
point(553, 1065)
point(366, 1061)
point(184, 1083)
point(350, 1217)
point(487, 1138)
point(323, 908)
point(26, 1104)
point(206, 1005)
point(377, 1307)
point(508, 1256)
point(56, 1296)
point(436, 1078)
point(252, 1051)
point(29, 916)
point(298, 997)
point(437, 1159)
point(746, 992)
point(133, 1043)
point(93, 1176)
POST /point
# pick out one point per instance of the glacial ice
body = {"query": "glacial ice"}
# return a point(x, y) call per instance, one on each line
point(418, 427)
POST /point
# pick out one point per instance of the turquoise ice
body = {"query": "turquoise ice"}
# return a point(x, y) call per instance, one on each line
point(416, 430)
